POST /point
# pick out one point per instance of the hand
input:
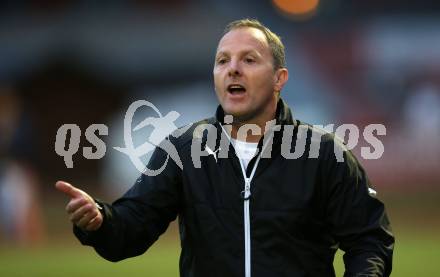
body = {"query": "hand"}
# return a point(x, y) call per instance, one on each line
point(81, 208)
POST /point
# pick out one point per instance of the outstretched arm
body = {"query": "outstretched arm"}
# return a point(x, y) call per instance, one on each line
point(132, 223)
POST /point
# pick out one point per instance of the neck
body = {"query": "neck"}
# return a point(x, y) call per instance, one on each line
point(252, 131)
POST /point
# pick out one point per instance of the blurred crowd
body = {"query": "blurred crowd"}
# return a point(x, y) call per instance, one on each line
point(21, 218)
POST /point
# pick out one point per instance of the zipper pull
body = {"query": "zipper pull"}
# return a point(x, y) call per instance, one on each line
point(246, 193)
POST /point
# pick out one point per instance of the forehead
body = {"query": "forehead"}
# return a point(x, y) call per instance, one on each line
point(243, 38)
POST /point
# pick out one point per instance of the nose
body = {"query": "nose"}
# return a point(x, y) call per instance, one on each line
point(234, 69)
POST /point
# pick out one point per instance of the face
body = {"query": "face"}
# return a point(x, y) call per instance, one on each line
point(245, 81)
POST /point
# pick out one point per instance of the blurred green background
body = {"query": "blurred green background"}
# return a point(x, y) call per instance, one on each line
point(84, 62)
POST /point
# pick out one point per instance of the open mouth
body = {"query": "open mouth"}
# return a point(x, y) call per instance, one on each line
point(236, 89)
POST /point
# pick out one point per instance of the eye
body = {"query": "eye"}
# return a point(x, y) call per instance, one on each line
point(249, 60)
point(222, 61)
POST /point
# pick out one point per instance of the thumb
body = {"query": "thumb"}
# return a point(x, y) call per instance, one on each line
point(68, 189)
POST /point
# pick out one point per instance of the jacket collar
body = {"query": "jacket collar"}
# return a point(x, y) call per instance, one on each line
point(283, 117)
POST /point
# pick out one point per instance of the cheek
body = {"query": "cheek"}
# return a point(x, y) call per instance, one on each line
point(264, 81)
point(218, 87)
point(217, 79)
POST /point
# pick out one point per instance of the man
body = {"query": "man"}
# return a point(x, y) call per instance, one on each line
point(250, 214)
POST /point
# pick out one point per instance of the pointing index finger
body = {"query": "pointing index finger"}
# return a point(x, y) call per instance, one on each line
point(68, 189)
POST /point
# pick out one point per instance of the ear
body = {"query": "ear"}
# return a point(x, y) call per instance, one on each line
point(281, 77)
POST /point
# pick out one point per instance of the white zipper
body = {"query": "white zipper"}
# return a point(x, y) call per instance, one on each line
point(246, 194)
point(247, 227)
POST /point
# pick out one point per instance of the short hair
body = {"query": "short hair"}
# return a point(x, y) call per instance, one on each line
point(274, 41)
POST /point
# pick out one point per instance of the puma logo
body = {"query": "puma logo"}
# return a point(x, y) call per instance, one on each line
point(213, 153)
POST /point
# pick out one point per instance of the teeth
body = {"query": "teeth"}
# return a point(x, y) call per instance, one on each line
point(235, 87)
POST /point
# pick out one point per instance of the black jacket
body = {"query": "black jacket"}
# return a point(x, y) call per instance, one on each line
point(301, 211)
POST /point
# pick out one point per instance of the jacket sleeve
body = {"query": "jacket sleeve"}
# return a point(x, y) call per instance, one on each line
point(357, 219)
point(136, 220)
